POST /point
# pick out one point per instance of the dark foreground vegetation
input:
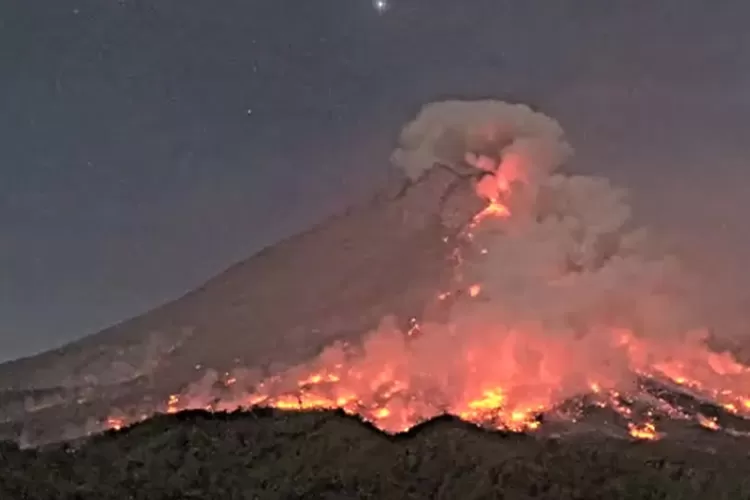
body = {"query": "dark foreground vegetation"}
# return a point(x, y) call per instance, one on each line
point(267, 454)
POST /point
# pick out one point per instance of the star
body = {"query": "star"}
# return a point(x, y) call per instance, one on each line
point(380, 5)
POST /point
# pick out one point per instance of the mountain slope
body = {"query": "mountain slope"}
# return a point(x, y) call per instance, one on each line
point(277, 308)
point(485, 283)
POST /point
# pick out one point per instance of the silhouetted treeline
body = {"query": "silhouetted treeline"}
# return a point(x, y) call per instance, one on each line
point(267, 454)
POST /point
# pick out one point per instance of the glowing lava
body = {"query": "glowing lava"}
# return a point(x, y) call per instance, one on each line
point(496, 391)
point(494, 209)
point(502, 360)
point(645, 431)
point(115, 423)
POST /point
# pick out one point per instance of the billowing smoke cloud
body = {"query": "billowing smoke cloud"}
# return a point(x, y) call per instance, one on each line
point(555, 293)
point(462, 134)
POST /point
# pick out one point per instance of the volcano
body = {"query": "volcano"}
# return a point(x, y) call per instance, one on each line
point(481, 281)
point(273, 310)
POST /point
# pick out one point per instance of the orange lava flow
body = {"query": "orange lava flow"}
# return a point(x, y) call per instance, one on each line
point(645, 431)
point(115, 423)
point(503, 384)
point(493, 209)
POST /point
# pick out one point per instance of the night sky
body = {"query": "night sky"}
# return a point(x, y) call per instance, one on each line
point(147, 145)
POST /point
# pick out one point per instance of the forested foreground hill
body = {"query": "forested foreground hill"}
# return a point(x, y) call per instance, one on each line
point(268, 454)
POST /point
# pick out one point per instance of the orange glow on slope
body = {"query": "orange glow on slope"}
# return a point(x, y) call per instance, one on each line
point(173, 404)
point(493, 209)
point(708, 423)
point(509, 377)
point(115, 423)
point(645, 431)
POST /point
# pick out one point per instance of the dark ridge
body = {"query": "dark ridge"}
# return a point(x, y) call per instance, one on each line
point(274, 454)
point(447, 422)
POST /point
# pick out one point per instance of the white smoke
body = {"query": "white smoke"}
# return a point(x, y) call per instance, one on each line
point(567, 250)
point(571, 296)
point(446, 132)
point(559, 277)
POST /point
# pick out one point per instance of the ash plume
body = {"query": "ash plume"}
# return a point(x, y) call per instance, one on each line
point(446, 132)
point(555, 293)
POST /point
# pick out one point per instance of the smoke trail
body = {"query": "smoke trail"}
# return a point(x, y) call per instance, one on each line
point(555, 293)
